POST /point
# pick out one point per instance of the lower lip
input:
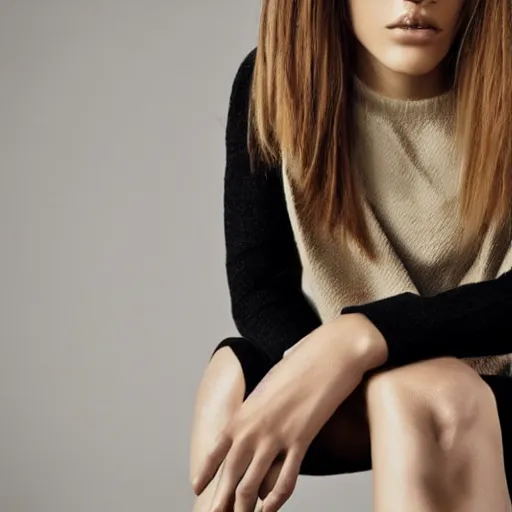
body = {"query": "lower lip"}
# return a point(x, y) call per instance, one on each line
point(415, 35)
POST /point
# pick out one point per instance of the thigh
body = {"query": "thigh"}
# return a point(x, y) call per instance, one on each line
point(501, 386)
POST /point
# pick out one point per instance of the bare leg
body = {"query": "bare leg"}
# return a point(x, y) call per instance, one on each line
point(220, 393)
point(436, 440)
point(426, 435)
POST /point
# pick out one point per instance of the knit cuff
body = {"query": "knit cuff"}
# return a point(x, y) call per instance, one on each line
point(398, 318)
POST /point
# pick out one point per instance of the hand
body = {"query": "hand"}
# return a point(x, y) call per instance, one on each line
point(286, 411)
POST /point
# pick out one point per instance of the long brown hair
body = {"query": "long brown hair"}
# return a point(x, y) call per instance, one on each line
point(300, 107)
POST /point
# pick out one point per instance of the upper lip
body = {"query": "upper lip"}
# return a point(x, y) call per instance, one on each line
point(411, 19)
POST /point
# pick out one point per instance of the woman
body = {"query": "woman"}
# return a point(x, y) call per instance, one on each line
point(369, 150)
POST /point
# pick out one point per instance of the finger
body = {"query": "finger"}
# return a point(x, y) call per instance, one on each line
point(215, 482)
point(270, 479)
point(286, 481)
point(235, 465)
point(246, 495)
point(212, 463)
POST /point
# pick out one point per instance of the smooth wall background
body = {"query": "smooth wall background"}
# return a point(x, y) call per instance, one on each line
point(113, 292)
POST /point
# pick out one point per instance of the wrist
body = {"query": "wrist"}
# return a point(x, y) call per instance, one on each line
point(371, 346)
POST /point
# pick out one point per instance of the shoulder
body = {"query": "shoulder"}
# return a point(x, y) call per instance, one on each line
point(241, 86)
point(239, 99)
point(245, 69)
point(237, 126)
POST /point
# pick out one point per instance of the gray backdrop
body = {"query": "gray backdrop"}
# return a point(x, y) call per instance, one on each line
point(113, 291)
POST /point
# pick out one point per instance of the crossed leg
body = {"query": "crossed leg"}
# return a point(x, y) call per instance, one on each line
point(430, 431)
point(436, 440)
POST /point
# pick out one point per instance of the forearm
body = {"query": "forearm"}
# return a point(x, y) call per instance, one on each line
point(370, 349)
point(472, 320)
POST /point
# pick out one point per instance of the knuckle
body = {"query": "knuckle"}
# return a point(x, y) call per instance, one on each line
point(272, 442)
point(241, 429)
point(245, 438)
point(242, 449)
point(301, 441)
point(281, 495)
point(285, 490)
point(246, 490)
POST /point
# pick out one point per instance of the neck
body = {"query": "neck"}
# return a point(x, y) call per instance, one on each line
point(395, 84)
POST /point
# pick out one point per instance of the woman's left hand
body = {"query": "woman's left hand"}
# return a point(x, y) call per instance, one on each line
point(285, 412)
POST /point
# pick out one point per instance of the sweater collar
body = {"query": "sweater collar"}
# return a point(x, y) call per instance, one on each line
point(373, 101)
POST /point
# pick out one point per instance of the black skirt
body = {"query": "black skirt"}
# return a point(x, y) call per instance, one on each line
point(255, 365)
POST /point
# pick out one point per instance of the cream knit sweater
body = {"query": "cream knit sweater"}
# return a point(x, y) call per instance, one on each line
point(405, 157)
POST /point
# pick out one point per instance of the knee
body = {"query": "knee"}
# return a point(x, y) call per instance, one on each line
point(448, 391)
point(218, 397)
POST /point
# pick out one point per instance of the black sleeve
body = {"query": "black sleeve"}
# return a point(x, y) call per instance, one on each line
point(268, 305)
point(473, 320)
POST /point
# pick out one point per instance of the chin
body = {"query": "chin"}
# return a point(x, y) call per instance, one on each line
point(413, 62)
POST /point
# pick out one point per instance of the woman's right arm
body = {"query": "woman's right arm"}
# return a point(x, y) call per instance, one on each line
point(268, 305)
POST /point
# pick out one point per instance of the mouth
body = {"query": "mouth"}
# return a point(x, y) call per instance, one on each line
point(413, 22)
